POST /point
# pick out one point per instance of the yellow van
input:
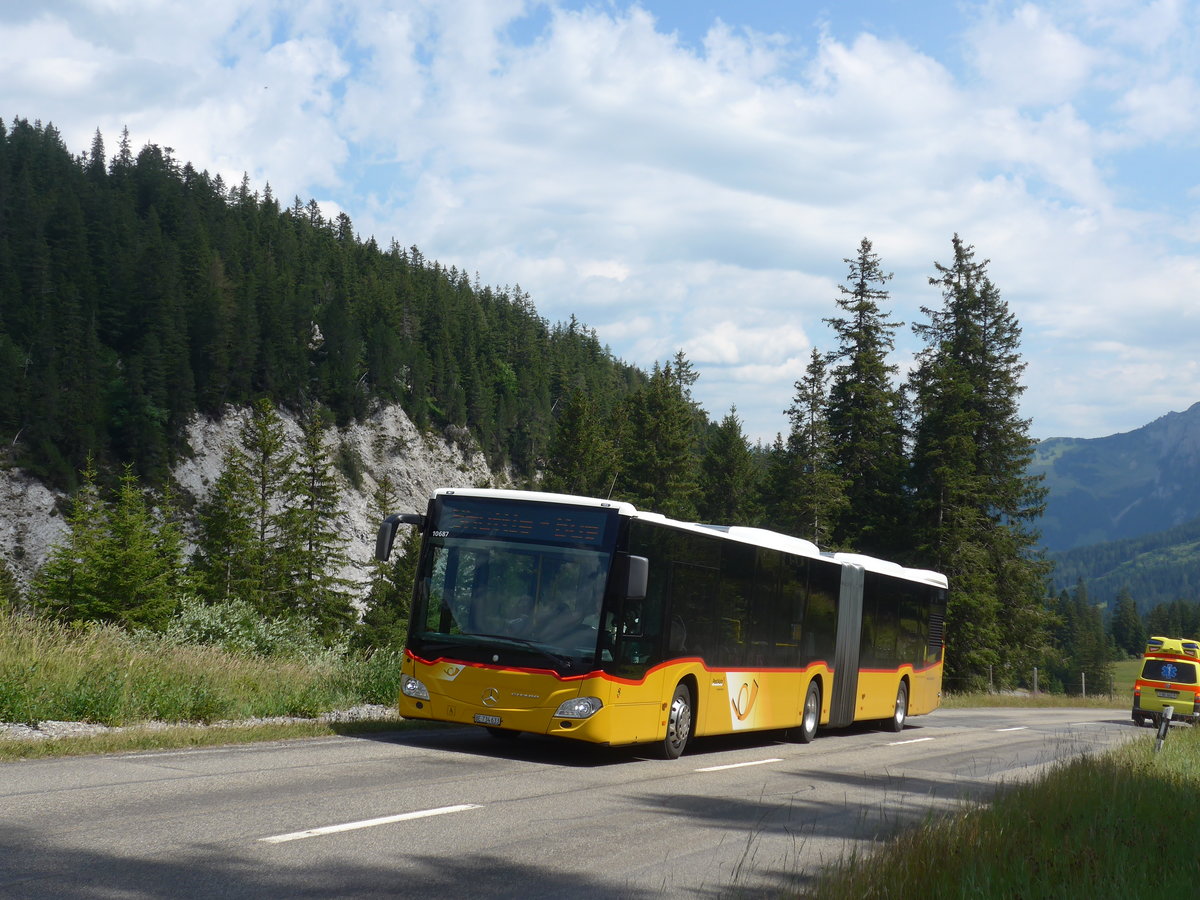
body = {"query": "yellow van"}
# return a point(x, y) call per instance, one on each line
point(1170, 676)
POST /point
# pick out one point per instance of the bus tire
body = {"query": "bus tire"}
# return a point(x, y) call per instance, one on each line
point(810, 715)
point(679, 723)
point(896, 722)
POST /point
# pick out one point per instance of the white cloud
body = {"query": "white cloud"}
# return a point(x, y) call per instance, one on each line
point(691, 195)
point(1162, 110)
point(607, 268)
point(1027, 59)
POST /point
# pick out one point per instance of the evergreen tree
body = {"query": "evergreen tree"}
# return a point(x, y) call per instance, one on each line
point(120, 562)
point(312, 538)
point(1175, 619)
point(814, 491)
point(1126, 625)
point(270, 468)
point(242, 549)
point(145, 568)
point(385, 612)
point(225, 561)
point(728, 477)
point(658, 453)
point(775, 487)
point(69, 585)
point(1087, 649)
point(581, 458)
point(864, 411)
point(974, 504)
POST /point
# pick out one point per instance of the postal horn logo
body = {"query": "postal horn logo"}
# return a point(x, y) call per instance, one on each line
point(491, 697)
point(743, 701)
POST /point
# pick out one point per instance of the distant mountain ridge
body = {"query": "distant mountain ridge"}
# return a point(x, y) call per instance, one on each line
point(1122, 486)
point(1154, 568)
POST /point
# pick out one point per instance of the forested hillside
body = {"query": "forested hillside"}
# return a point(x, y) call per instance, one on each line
point(136, 292)
point(1154, 568)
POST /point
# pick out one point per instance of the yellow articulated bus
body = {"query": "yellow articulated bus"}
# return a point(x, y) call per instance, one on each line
point(589, 619)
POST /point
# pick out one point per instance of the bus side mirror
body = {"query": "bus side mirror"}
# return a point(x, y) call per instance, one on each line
point(387, 532)
point(637, 576)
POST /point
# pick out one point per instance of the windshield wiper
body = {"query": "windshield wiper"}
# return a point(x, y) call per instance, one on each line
point(564, 660)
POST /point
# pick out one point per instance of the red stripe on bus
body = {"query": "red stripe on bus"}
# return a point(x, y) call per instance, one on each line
point(685, 660)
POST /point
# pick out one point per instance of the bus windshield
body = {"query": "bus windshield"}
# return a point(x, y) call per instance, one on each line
point(498, 585)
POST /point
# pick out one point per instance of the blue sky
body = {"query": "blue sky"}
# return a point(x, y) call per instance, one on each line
point(692, 175)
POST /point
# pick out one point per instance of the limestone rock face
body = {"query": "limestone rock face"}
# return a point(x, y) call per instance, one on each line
point(386, 443)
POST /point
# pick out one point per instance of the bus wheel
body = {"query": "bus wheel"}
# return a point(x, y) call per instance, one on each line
point(811, 715)
point(679, 723)
point(896, 722)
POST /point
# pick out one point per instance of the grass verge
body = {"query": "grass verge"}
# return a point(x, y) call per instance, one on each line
point(178, 737)
point(1037, 701)
point(55, 672)
point(1110, 825)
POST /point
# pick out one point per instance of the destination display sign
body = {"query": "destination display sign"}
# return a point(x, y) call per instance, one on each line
point(568, 525)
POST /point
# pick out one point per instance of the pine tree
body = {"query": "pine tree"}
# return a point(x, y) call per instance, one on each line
point(973, 502)
point(1175, 619)
point(241, 551)
point(144, 569)
point(69, 585)
point(270, 464)
point(1126, 625)
point(1087, 650)
point(728, 478)
point(120, 562)
point(385, 614)
point(581, 458)
point(865, 411)
point(775, 487)
point(312, 539)
point(814, 491)
point(225, 561)
point(658, 447)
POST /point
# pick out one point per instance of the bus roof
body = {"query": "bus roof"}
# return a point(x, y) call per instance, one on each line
point(625, 509)
point(760, 537)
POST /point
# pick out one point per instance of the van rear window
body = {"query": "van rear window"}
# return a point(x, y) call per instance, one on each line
point(1169, 670)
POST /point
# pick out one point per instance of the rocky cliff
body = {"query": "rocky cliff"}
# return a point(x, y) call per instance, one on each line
point(32, 515)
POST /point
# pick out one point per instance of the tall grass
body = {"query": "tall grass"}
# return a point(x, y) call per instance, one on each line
point(97, 673)
point(1121, 824)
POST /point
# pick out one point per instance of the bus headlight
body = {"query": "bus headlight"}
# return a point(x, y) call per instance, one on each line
point(413, 687)
point(579, 708)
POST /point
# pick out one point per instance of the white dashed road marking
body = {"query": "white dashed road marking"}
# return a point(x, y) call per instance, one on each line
point(367, 823)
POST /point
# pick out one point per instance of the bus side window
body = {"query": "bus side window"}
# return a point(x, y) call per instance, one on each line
point(677, 642)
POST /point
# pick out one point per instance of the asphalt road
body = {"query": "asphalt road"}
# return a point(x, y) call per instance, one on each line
point(457, 813)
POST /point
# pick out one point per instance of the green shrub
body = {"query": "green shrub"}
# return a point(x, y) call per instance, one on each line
point(374, 677)
point(236, 626)
point(99, 673)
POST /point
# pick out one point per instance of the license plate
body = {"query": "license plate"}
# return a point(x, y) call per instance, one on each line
point(486, 720)
point(1166, 695)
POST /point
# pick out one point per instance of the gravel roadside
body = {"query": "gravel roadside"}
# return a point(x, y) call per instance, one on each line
point(49, 730)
